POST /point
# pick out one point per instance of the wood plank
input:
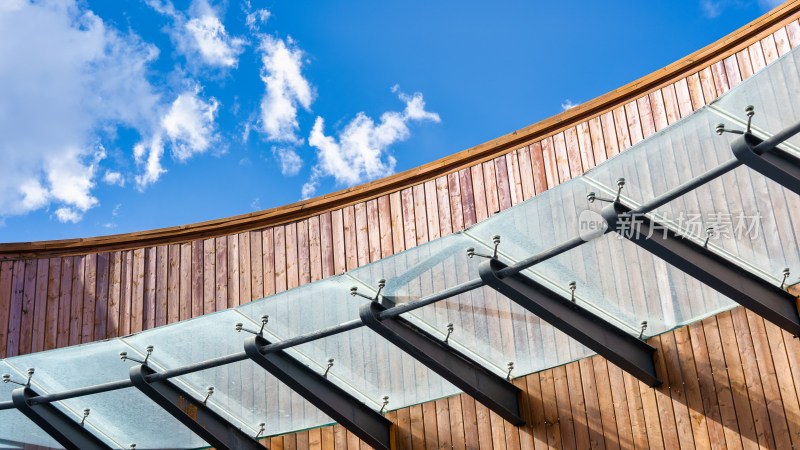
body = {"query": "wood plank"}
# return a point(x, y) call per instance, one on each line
point(234, 271)
point(634, 122)
point(594, 420)
point(550, 162)
point(209, 276)
point(6, 278)
point(782, 354)
point(161, 282)
point(504, 182)
point(538, 167)
point(793, 30)
point(126, 294)
point(397, 225)
point(362, 244)
point(607, 415)
point(490, 188)
point(403, 424)
point(150, 281)
point(445, 210)
point(621, 124)
point(598, 140)
point(622, 412)
point(550, 408)
point(350, 237)
point(733, 364)
point(769, 380)
point(173, 282)
point(198, 278)
point(753, 382)
point(472, 438)
point(12, 347)
point(456, 423)
point(137, 292)
point(684, 97)
point(669, 431)
point(417, 428)
point(256, 265)
point(292, 255)
point(467, 197)
point(429, 416)
point(690, 377)
point(705, 383)
point(420, 215)
point(431, 210)
point(39, 309)
point(610, 138)
point(384, 223)
point(326, 233)
point(114, 293)
point(515, 176)
point(328, 439)
point(52, 304)
point(268, 260)
point(185, 286)
point(279, 264)
point(64, 303)
point(526, 173)
point(90, 298)
point(584, 142)
point(563, 402)
point(314, 249)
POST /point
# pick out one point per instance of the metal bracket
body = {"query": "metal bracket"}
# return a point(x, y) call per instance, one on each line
point(626, 351)
point(740, 285)
point(491, 390)
point(193, 414)
point(68, 432)
point(358, 418)
point(775, 164)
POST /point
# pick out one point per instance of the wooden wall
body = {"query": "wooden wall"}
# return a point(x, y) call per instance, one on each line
point(731, 379)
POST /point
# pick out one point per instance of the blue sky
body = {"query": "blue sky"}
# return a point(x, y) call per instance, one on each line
point(132, 115)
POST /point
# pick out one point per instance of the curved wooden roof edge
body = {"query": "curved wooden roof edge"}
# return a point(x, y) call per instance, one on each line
point(682, 68)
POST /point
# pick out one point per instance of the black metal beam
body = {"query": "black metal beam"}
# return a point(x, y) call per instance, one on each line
point(740, 285)
point(621, 348)
point(776, 164)
point(366, 423)
point(68, 432)
point(193, 414)
point(484, 386)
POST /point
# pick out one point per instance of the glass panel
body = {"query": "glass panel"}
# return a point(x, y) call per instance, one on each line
point(244, 393)
point(126, 415)
point(17, 430)
point(773, 92)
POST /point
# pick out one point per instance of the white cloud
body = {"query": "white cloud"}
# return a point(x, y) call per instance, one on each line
point(148, 155)
point(66, 214)
point(713, 8)
point(256, 18)
point(286, 89)
point(568, 105)
point(65, 76)
point(114, 178)
point(361, 150)
point(289, 159)
point(190, 125)
point(201, 33)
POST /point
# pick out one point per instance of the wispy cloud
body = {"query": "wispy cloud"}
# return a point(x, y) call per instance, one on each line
point(714, 8)
point(286, 89)
point(66, 76)
point(290, 161)
point(567, 104)
point(361, 150)
point(200, 33)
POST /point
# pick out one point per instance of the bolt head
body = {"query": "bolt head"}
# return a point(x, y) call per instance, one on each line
point(720, 128)
point(786, 271)
point(6, 378)
point(31, 370)
point(86, 411)
point(386, 398)
point(330, 361)
point(590, 196)
point(750, 110)
point(381, 283)
point(620, 181)
point(264, 318)
point(239, 326)
point(149, 349)
point(353, 290)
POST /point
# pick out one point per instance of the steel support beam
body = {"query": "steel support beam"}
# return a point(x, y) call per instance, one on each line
point(366, 423)
point(484, 386)
point(193, 414)
point(776, 164)
point(740, 285)
point(68, 432)
point(621, 348)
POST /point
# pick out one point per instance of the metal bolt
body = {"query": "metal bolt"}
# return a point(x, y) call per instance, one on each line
point(590, 196)
point(385, 402)
point(330, 364)
point(353, 291)
point(471, 252)
point(262, 426)
point(750, 110)
point(85, 415)
point(572, 286)
point(449, 328)
point(786, 274)
point(210, 391)
point(644, 327)
point(510, 366)
point(720, 128)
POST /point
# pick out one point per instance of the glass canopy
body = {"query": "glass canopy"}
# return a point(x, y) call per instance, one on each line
point(614, 278)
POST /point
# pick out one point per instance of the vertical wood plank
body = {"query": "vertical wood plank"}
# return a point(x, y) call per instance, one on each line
point(6, 278)
point(173, 283)
point(114, 293)
point(89, 298)
point(52, 304)
point(64, 303)
point(39, 310)
point(161, 284)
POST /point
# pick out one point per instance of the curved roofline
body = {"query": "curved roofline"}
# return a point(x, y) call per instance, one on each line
point(682, 68)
